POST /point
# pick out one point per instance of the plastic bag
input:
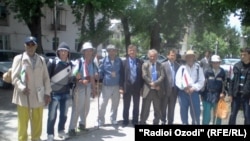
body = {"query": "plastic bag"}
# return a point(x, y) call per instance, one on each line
point(222, 109)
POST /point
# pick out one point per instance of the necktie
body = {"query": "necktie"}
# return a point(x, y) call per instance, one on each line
point(173, 73)
point(132, 71)
point(153, 73)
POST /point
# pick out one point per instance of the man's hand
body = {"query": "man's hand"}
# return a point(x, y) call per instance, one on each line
point(186, 89)
point(47, 99)
point(26, 91)
point(157, 88)
point(84, 82)
point(78, 76)
point(152, 84)
point(191, 90)
point(230, 98)
point(222, 95)
point(121, 91)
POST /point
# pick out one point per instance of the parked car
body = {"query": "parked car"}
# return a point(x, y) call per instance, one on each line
point(227, 64)
point(75, 55)
point(6, 60)
point(48, 54)
point(160, 59)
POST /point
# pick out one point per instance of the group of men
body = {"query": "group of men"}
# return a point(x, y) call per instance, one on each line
point(38, 84)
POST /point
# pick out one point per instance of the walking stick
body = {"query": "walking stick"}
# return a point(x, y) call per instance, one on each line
point(98, 95)
point(28, 101)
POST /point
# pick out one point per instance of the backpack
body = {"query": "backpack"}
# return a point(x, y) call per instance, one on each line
point(53, 66)
point(7, 75)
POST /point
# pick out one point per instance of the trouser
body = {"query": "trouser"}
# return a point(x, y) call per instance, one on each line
point(126, 106)
point(35, 122)
point(235, 106)
point(109, 92)
point(206, 117)
point(62, 100)
point(154, 97)
point(80, 106)
point(168, 102)
point(191, 101)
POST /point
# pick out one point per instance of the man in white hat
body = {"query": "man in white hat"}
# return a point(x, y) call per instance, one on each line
point(84, 72)
point(190, 80)
point(214, 90)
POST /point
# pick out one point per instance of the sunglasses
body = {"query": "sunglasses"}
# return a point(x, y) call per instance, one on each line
point(30, 44)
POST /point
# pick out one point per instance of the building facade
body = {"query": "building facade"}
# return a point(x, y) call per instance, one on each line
point(13, 32)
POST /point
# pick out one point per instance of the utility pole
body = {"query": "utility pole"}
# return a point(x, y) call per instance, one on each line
point(55, 25)
point(216, 47)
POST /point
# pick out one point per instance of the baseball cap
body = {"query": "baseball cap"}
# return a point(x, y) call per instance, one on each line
point(30, 39)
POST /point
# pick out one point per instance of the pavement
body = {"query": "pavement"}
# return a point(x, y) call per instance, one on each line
point(8, 122)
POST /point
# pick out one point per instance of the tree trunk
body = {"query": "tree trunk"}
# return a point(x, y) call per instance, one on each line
point(155, 37)
point(35, 29)
point(127, 34)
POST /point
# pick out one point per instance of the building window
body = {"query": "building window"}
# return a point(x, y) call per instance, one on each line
point(3, 15)
point(5, 42)
point(60, 19)
point(55, 43)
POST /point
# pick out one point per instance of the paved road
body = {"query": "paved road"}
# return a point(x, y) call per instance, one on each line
point(8, 122)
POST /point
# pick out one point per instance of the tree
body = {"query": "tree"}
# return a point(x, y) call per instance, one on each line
point(30, 12)
point(94, 16)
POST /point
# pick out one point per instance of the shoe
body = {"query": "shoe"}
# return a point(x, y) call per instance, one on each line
point(125, 123)
point(99, 123)
point(114, 122)
point(82, 127)
point(63, 135)
point(50, 138)
point(72, 132)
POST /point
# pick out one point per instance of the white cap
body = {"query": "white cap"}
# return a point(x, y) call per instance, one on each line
point(87, 45)
point(111, 47)
point(215, 58)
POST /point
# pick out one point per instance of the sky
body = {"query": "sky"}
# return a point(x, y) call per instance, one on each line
point(234, 22)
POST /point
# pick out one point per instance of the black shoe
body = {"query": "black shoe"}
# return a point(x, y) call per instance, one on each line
point(82, 127)
point(72, 133)
point(135, 122)
point(125, 123)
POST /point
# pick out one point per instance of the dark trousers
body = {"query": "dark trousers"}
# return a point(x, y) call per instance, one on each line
point(235, 106)
point(154, 97)
point(60, 101)
point(168, 102)
point(135, 95)
point(191, 101)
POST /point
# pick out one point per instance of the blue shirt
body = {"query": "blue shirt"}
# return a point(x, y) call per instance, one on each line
point(111, 73)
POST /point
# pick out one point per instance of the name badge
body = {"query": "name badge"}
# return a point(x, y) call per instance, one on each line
point(113, 74)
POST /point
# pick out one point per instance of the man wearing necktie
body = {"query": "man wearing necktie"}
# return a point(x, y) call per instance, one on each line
point(133, 83)
point(153, 75)
point(169, 89)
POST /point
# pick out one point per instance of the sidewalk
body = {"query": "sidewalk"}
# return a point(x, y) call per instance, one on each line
point(8, 122)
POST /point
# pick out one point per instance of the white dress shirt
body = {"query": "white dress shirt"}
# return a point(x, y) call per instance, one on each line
point(195, 81)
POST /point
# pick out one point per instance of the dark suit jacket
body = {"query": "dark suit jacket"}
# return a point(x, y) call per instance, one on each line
point(146, 74)
point(166, 88)
point(139, 81)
